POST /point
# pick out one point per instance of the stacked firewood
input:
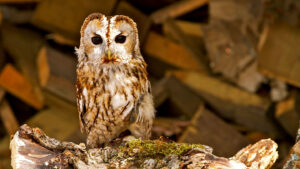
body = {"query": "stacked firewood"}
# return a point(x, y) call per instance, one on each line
point(224, 73)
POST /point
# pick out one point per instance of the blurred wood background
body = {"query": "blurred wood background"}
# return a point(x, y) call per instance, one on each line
point(224, 73)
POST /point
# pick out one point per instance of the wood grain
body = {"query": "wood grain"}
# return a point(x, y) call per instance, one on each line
point(8, 118)
point(281, 60)
point(15, 83)
point(164, 49)
point(233, 103)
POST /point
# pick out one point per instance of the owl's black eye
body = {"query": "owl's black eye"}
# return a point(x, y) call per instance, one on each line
point(97, 40)
point(120, 39)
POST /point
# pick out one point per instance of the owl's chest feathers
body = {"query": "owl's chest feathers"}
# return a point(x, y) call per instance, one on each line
point(113, 89)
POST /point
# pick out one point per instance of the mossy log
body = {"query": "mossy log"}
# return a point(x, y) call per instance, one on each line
point(32, 148)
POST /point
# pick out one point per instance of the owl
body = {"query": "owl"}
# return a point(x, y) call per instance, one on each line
point(113, 90)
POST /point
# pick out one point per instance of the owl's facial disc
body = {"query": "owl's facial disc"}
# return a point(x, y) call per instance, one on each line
point(109, 40)
point(122, 38)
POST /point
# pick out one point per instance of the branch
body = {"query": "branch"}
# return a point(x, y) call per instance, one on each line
point(32, 148)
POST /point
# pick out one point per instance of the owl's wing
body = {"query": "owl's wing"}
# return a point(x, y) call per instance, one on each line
point(144, 109)
point(80, 106)
point(144, 115)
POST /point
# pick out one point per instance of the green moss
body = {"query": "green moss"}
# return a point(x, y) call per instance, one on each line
point(155, 148)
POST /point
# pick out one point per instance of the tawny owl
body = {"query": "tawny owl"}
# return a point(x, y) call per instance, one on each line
point(113, 90)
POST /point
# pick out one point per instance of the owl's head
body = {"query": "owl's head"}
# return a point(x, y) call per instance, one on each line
point(107, 40)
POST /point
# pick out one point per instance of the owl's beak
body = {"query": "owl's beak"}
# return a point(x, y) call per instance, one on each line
point(108, 54)
point(109, 57)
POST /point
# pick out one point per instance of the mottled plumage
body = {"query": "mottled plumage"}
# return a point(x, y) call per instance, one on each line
point(113, 91)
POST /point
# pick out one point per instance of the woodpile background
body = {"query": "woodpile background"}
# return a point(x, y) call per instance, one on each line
point(224, 73)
